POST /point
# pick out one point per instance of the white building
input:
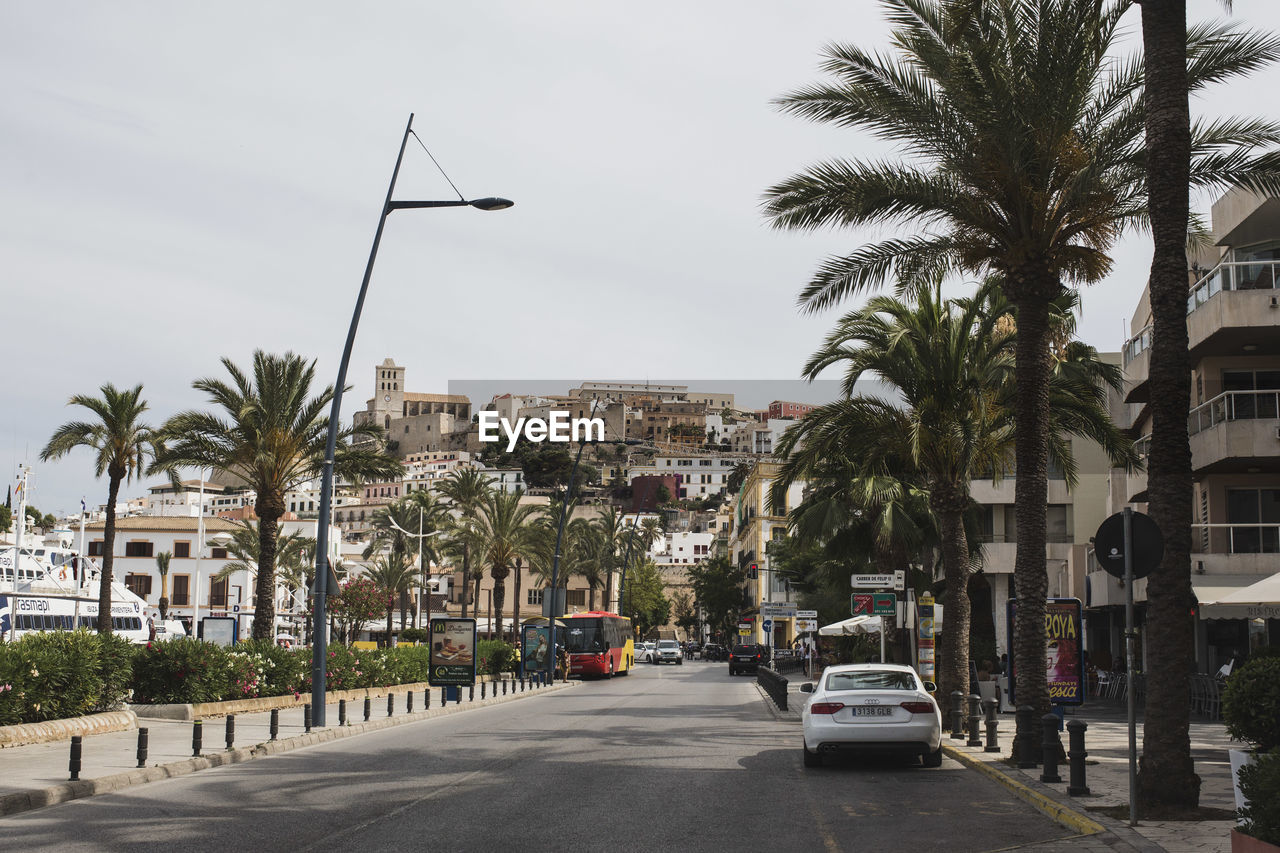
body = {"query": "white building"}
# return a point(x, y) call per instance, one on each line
point(699, 476)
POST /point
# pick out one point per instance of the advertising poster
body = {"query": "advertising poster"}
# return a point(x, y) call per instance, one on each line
point(453, 652)
point(1064, 665)
point(536, 647)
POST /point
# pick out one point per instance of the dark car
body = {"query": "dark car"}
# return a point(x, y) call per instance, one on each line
point(711, 651)
point(747, 658)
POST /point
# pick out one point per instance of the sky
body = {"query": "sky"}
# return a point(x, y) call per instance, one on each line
point(185, 182)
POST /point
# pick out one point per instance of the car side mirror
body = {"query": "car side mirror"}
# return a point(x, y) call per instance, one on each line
point(807, 687)
point(930, 687)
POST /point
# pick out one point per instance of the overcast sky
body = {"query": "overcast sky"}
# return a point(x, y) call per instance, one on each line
point(182, 182)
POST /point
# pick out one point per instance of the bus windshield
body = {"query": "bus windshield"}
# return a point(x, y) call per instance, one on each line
point(584, 635)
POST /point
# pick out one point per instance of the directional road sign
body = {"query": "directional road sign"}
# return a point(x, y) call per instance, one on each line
point(883, 604)
point(872, 581)
point(860, 604)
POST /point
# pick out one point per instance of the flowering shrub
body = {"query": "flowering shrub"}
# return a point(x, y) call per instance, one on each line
point(52, 675)
point(181, 670)
point(495, 657)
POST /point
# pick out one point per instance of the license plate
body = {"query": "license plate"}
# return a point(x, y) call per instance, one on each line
point(872, 712)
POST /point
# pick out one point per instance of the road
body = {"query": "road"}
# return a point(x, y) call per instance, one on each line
point(667, 758)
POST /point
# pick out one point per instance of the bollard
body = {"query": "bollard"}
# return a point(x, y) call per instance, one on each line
point(197, 738)
point(1075, 738)
point(975, 718)
point(1050, 745)
point(1026, 716)
point(471, 697)
point(391, 704)
point(957, 715)
point(458, 696)
point(504, 687)
point(231, 731)
point(482, 690)
point(523, 684)
point(991, 707)
point(368, 708)
point(426, 698)
point(342, 712)
point(444, 697)
point(306, 717)
point(408, 702)
point(275, 722)
point(143, 737)
point(74, 765)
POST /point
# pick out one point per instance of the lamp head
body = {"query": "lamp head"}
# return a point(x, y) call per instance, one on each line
point(492, 203)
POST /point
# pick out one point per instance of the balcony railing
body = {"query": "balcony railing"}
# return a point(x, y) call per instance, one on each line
point(1234, 406)
point(1138, 344)
point(1261, 538)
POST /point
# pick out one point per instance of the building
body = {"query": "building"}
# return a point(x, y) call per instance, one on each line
point(696, 476)
point(755, 524)
point(414, 423)
point(784, 409)
point(1233, 326)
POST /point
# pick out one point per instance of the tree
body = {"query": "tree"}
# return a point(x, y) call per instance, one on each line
point(1023, 155)
point(271, 436)
point(162, 566)
point(243, 552)
point(952, 418)
point(464, 491)
point(647, 606)
point(123, 443)
point(718, 588)
point(399, 528)
point(685, 613)
point(613, 530)
point(662, 496)
point(503, 531)
point(737, 477)
point(360, 601)
point(6, 519)
point(395, 576)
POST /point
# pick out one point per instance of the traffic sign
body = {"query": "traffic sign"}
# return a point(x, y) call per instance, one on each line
point(871, 581)
point(899, 580)
point(803, 625)
point(1148, 545)
point(806, 614)
point(860, 603)
point(769, 610)
point(883, 604)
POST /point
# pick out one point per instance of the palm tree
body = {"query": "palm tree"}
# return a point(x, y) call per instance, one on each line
point(503, 531)
point(243, 544)
point(400, 528)
point(271, 437)
point(1023, 139)
point(951, 364)
point(162, 566)
point(122, 443)
point(394, 574)
point(613, 529)
point(465, 490)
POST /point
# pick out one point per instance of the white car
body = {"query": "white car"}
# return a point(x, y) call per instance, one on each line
point(644, 651)
point(871, 707)
point(668, 651)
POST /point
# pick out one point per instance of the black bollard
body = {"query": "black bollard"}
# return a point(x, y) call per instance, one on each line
point(1076, 756)
point(391, 704)
point(231, 731)
point(197, 738)
point(975, 719)
point(504, 687)
point(482, 690)
point(408, 702)
point(426, 698)
point(458, 699)
point(275, 723)
point(1050, 746)
point(444, 697)
point(993, 723)
point(471, 691)
point(342, 712)
point(1026, 716)
point(306, 717)
point(368, 708)
point(957, 715)
point(143, 737)
point(74, 766)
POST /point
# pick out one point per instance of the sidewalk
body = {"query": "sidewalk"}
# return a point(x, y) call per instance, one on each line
point(1106, 775)
point(37, 775)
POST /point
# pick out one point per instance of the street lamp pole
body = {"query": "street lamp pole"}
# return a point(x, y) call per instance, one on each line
point(552, 615)
point(320, 640)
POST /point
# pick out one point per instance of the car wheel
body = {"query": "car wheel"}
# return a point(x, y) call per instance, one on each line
point(933, 759)
point(811, 759)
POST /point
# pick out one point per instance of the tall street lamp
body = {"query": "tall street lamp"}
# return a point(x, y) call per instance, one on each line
point(320, 644)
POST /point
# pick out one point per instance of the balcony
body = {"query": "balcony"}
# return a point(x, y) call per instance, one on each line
point(1237, 549)
point(1236, 432)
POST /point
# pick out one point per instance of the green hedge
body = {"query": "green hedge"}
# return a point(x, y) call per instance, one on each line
point(1251, 702)
point(495, 657)
point(57, 674)
point(1260, 784)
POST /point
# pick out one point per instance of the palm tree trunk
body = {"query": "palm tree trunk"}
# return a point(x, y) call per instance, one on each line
point(1167, 774)
point(499, 596)
point(390, 610)
point(953, 669)
point(1031, 493)
point(264, 613)
point(108, 553)
point(591, 597)
point(475, 602)
point(515, 603)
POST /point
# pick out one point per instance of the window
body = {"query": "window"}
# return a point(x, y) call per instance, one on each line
point(181, 591)
point(1253, 509)
point(1056, 524)
point(575, 598)
point(95, 548)
point(182, 550)
point(138, 549)
point(535, 596)
point(218, 593)
point(218, 553)
point(139, 585)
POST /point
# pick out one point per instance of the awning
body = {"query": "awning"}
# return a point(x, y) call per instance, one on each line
point(1212, 591)
point(854, 625)
point(1258, 600)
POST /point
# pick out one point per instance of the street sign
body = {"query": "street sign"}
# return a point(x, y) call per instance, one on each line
point(803, 625)
point(744, 627)
point(860, 603)
point(770, 610)
point(767, 625)
point(806, 614)
point(871, 581)
point(899, 580)
point(1148, 545)
point(883, 604)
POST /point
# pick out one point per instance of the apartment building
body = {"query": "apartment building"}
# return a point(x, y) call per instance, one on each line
point(696, 476)
point(1233, 325)
point(755, 524)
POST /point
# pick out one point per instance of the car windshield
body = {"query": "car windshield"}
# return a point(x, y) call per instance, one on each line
point(871, 680)
point(668, 644)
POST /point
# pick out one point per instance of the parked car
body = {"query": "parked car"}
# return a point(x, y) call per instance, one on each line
point(714, 651)
point(747, 658)
point(871, 707)
point(644, 651)
point(692, 650)
point(668, 651)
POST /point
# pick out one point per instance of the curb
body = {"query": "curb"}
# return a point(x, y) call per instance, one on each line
point(25, 734)
point(1066, 817)
point(38, 798)
point(198, 710)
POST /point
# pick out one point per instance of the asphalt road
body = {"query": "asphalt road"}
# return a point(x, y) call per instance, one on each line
point(667, 758)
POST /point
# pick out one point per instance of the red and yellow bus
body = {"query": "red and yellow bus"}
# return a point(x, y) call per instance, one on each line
point(599, 644)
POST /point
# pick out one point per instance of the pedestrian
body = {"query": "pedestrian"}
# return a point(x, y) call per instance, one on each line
point(562, 661)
